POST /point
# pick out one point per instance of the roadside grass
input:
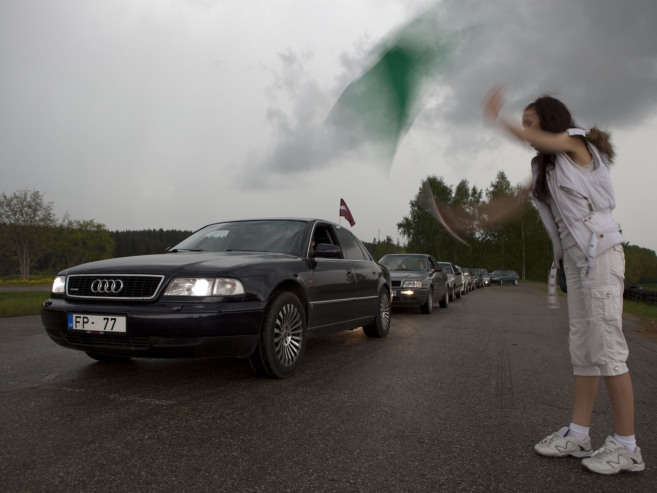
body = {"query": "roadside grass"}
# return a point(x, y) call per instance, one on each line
point(642, 310)
point(645, 313)
point(22, 303)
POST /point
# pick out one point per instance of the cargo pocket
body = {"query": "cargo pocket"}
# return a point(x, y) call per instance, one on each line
point(607, 303)
point(618, 249)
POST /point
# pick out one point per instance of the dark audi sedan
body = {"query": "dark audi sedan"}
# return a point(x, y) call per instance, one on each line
point(253, 289)
point(417, 279)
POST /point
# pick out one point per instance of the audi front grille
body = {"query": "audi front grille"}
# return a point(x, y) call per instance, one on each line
point(115, 286)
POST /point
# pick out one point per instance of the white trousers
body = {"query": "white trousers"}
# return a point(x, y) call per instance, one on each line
point(597, 344)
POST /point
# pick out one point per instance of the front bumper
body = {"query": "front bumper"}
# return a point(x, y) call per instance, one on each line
point(161, 330)
point(401, 297)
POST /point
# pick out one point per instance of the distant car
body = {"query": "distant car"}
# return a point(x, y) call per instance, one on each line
point(460, 281)
point(485, 277)
point(251, 289)
point(416, 279)
point(468, 279)
point(465, 272)
point(504, 276)
point(453, 281)
point(476, 277)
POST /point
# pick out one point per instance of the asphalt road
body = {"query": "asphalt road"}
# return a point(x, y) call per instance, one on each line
point(452, 401)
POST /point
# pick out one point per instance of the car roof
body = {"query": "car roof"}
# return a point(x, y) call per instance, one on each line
point(406, 255)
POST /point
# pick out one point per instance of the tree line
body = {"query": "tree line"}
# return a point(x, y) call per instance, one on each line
point(33, 240)
point(501, 231)
point(499, 228)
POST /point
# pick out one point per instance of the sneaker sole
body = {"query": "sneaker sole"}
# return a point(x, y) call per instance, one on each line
point(633, 468)
point(579, 455)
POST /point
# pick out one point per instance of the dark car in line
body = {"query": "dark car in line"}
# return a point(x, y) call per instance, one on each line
point(417, 280)
point(461, 281)
point(470, 278)
point(467, 280)
point(454, 281)
point(504, 276)
point(253, 289)
point(485, 277)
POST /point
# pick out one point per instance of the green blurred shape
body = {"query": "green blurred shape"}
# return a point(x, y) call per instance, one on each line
point(378, 108)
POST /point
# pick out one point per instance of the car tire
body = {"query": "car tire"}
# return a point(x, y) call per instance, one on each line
point(427, 306)
point(444, 303)
point(105, 358)
point(459, 292)
point(452, 294)
point(282, 340)
point(380, 326)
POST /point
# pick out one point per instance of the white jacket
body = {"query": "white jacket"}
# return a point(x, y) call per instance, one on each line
point(585, 200)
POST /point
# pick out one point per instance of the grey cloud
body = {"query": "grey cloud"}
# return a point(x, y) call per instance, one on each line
point(598, 56)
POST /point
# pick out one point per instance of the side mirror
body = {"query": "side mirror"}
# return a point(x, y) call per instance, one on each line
point(326, 250)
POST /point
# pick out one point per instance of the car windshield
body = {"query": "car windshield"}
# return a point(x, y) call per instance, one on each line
point(404, 262)
point(277, 236)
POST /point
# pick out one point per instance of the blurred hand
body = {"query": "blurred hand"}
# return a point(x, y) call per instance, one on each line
point(494, 103)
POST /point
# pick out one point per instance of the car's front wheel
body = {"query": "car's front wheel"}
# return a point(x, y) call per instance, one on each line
point(282, 338)
point(444, 303)
point(427, 306)
point(380, 326)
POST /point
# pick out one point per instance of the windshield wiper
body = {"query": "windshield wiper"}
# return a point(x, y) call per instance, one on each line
point(176, 250)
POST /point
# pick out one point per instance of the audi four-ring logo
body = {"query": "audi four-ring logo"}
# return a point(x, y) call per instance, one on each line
point(107, 286)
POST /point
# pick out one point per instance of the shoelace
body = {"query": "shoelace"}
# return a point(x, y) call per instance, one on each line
point(604, 451)
point(552, 438)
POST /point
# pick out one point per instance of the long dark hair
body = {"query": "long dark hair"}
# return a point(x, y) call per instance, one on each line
point(553, 116)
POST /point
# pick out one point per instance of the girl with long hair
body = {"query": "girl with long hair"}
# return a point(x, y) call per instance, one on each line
point(575, 199)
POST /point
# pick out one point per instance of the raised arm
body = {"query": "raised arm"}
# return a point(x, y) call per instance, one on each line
point(530, 131)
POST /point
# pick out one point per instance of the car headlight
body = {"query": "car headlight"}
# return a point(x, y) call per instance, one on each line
point(412, 284)
point(59, 285)
point(204, 286)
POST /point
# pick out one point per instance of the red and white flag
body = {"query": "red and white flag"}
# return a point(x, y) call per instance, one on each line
point(346, 213)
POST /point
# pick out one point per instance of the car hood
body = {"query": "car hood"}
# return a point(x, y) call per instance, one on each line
point(400, 275)
point(179, 263)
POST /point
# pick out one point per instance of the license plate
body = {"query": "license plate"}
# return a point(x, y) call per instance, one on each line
point(96, 323)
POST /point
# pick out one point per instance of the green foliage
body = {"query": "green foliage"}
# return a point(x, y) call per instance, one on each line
point(83, 241)
point(498, 239)
point(22, 303)
point(424, 233)
point(503, 232)
point(640, 265)
point(145, 242)
point(26, 222)
point(380, 248)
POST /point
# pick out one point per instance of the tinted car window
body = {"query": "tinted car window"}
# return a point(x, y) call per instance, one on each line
point(447, 267)
point(256, 236)
point(404, 262)
point(350, 247)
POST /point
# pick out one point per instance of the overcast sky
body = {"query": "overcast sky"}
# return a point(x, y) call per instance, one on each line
point(177, 113)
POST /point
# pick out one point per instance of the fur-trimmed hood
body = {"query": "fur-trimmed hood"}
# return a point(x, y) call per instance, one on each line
point(602, 141)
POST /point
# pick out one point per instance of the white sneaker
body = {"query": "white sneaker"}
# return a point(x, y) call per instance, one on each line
point(561, 445)
point(613, 457)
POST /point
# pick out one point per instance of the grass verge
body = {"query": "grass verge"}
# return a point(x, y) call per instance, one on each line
point(22, 303)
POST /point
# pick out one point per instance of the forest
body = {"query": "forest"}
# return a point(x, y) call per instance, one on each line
point(496, 228)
